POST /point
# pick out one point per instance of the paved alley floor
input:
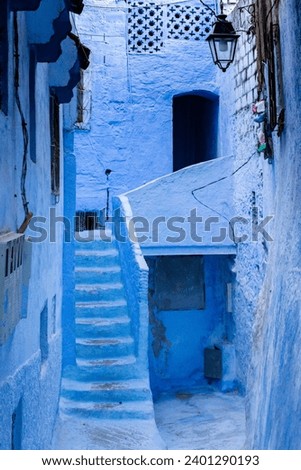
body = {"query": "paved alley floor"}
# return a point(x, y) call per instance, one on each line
point(207, 420)
point(74, 433)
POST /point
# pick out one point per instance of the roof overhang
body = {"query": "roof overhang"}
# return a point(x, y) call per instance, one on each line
point(64, 75)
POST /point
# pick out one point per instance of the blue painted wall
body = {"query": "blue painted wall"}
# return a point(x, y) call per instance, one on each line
point(267, 290)
point(131, 94)
point(30, 360)
point(128, 127)
point(68, 307)
point(178, 337)
point(274, 404)
point(252, 176)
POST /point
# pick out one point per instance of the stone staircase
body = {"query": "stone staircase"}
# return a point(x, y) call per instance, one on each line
point(106, 381)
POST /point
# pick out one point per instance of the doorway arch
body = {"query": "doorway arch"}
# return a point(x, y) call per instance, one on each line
point(195, 124)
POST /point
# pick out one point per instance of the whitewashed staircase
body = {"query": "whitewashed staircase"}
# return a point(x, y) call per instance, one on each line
point(106, 382)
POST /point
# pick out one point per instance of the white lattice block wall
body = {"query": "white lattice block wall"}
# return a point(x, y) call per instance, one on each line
point(152, 25)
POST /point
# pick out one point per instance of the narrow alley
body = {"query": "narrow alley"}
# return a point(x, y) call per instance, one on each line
point(117, 412)
point(150, 242)
point(205, 420)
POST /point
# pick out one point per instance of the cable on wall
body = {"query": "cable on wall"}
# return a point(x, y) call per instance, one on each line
point(275, 3)
point(215, 182)
point(28, 214)
point(208, 8)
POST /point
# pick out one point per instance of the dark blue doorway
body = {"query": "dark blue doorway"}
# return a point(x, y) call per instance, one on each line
point(195, 119)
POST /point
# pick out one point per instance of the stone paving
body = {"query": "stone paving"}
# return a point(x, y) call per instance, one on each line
point(206, 420)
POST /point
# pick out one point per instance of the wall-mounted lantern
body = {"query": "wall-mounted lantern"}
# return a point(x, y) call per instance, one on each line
point(223, 41)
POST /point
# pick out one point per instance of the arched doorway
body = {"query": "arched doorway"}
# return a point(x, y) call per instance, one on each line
point(195, 119)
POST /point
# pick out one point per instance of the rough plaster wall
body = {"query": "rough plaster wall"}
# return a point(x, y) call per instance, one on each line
point(171, 196)
point(135, 278)
point(131, 125)
point(9, 217)
point(21, 371)
point(253, 188)
point(274, 405)
point(178, 337)
point(68, 302)
point(267, 292)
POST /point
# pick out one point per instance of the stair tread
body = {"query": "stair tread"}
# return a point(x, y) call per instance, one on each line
point(104, 341)
point(142, 405)
point(107, 269)
point(96, 253)
point(77, 385)
point(109, 361)
point(102, 321)
point(94, 387)
point(101, 303)
point(99, 286)
point(87, 236)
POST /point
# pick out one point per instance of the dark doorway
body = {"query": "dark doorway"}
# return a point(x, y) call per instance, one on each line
point(16, 427)
point(194, 129)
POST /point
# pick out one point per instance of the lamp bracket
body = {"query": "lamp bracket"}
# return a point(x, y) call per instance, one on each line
point(247, 20)
point(221, 7)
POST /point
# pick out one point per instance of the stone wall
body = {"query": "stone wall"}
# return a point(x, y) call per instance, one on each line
point(130, 129)
point(274, 400)
point(267, 299)
point(253, 177)
point(31, 357)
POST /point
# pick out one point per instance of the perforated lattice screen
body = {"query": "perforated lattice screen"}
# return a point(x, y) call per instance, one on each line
point(150, 25)
point(145, 33)
point(188, 22)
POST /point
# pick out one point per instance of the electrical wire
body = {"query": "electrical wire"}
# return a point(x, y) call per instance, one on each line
point(215, 182)
point(208, 8)
point(22, 116)
point(271, 9)
point(224, 177)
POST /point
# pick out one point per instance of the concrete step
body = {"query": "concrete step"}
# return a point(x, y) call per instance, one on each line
point(100, 291)
point(102, 327)
point(89, 275)
point(108, 410)
point(113, 391)
point(103, 309)
point(107, 368)
point(90, 243)
point(97, 348)
point(125, 368)
point(96, 258)
point(97, 234)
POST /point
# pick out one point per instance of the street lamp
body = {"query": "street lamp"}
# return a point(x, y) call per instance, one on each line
point(222, 41)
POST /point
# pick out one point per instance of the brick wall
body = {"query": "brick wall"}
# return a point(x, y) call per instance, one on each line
point(245, 66)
